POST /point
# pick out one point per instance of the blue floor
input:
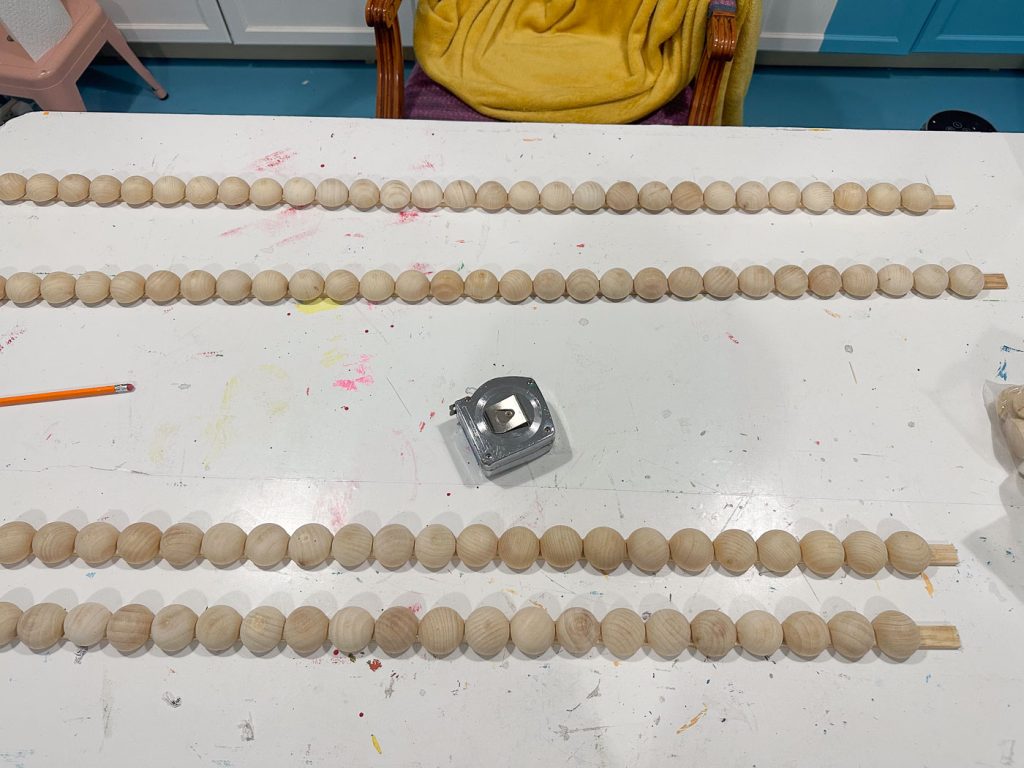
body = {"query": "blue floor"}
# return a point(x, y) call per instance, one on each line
point(790, 96)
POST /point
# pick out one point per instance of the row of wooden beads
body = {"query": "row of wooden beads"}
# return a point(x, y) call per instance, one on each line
point(477, 546)
point(486, 631)
point(270, 286)
point(523, 196)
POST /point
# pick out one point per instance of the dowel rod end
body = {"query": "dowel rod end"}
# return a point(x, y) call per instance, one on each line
point(944, 554)
point(942, 638)
point(995, 281)
point(943, 203)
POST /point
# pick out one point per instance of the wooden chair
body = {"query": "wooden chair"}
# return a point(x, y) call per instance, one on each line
point(428, 100)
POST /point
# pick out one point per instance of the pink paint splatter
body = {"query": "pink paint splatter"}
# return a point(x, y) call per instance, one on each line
point(817, 442)
point(362, 377)
point(359, 235)
point(415, 607)
point(423, 425)
point(424, 165)
point(274, 159)
point(732, 338)
point(406, 217)
point(374, 664)
point(17, 333)
point(432, 414)
point(419, 266)
point(461, 242)
point(296, 237)
point(581, 245)
point(230, 232)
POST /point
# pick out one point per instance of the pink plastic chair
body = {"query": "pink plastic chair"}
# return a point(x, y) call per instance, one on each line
point(52, 82)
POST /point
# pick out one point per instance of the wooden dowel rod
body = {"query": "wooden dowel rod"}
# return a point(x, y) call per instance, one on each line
point(942, 638)
point(943, 203)
point(944, 554)
point(995, 281)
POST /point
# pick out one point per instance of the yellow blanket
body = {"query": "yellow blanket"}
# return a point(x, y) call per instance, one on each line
point(578, 61)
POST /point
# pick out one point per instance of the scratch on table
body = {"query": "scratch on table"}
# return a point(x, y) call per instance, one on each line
point(248, 732)
point(107, 706)
point(406, 407)
point(693, 720)
point(596, 693)
point(852, 372)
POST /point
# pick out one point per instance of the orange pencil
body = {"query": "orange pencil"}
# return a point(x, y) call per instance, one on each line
point(67, 394)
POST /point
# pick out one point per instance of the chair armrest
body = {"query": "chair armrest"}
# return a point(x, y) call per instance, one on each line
point(382, 15)
point(719, 49)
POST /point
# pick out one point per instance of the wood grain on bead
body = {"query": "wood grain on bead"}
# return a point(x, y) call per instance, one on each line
point(515, 286)
point(908, 553)
point(647, 549)
point(784, 197)
point(687, 197)
point(851, 634)
point(426, 195)
point(477, 545)
point(332, 193)
point(181, 544)
point(351, 629)
point(720, 282)
point(341, 286)
point(555, 197)
point(621, 197)
point(96, 543)
point(824, 281)
point(41, 626)
point(364, 194)
point(162, 286)
point(395, 630)
point(806, 634)
point(310, 545)
point(54, 542)
point(137, 190)
point(859, 281)
point(622, 632)
point(931, 280)
point(41, 188)
point(778, 551)
point(481, 285)
point(139, 543)
point(667, 632)
point(459, 195)
point(299, 192)
point(518, 548)
point(655, 197)
point(532, 630)
point(895, 280)
point(262, 629)
point(650, 284)
point(12, 187)
point(127, 287)
point(549, 285)
point(234, 286)
point(9, 616)
point(735, 550)
point(395, 195)
point(604, 548)
point(217, 628)
point(896, 635)
point(92, 288)
point(752, 197)
point(104, 190)
point(412, 286)
point(57, 288)
point(224, 544)
point(817, 197)
point(577, 631)
point(523, 196)
point(755, 281)
point(883, 198)
point(15, 541)
point(561, 546)
point(376, 286)
point(791, 281)
point(616, 284)
point(966, 280)
point(434, 547)
point(73, 188)
point(306, 285)
point(917, 198)
point(850, 197)
point(265, 193)
point(128, 627)
point(233, 192)
point(491, 196)
point(865, 552)
point(446, 286)
point(691, 550)
point(168, 190)
point(305, 630)
point(486, 631)
point(582, 285)
point(441, 631)
point(199, 191)
point(719, 196)
point(822, 552)
point(713, 633)
point(759, 633)
point(173, 628)
point(393, 545)
point(352, 546)
point(198, 286)
point(685, 283)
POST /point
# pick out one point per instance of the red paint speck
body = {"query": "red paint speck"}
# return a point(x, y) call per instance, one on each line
point(231, 232)
point(415, 607)
point(336, 651)
point(360, 714)
point(422, 425)
point(432, 414)
point(392, 325)
point(360, 235)
point(344, 407)
point(322, 165)
point(461, 242)
point(419, 266)
point(581, 245)
point(405, 217)
point(817, 442)
point(732, 338)
point(11, 337)
point(374, 664)
point(366, 330)
point(274, 159)
point(449, 493)
point(307, 391)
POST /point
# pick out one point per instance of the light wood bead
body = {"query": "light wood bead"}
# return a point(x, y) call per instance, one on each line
point(622, 632)
point(824, 281)
point(136, 190)
point(492, 197)
point(435, 547)
point(265, 193)
point(412, 286)
point(616, 284)
point(588, 197)
point(577, 631)
point(262, 629)
point(198, 286)
point(650, 284)
point(310, 545)
point(23, 287)
point(199, 191)
point(719, 196)
point(778, 551)
point(162, 286)
point(73, 188)
point(966, 280)
point(395, 630)
point(604, 548)
point(883, 198)
point(917, 198)
point(96, 543)
point(128, 627)
point(735, 550)
point(850, 197)
point(806, 634)
point(685, 282)
point(3, 288)
point(791, 281)
point(9, 616)
point(173, 628)
point(859, 281)
point(865, 552)
point(523, 196)
point(555, 197)
point(668, 632)
point(720, 282)
point(441, 631)
point(127, 287)
point(351, 629)
point(713, 633)
point(647, 549)
point(12, 187)
point(15, 541)
point(486, 631)
point(822, 552)
point(755, 281)
point(931, 280)
point(395, 195)
point(332, 193)
point(427, 195)
point(86, 624)
point(57, 288)
point(41, 626)
point(54, 542)
point(41, 188)
point(104, 190)
point(549, 285)
point(364, 194)
point(139, 543)
point(817, 197)
point(393, 545)
point(299, 192)
point(752, 197)
point(518, 548)
point(477, 545)
point(352, 545)
point(895, 280)
point(515, 286)
point(908, 553)
point(217, 628)
point(305, 630)
point(232, 191)
point(92, 287)
point(306, 285)
point(224, 544)
point(234, 286)
point(655, 197)
point(621, 197)
point(459, 195)
point(896, 635)
point(759, 633)
point(376, 286)
point(169, 190)
point(532, 630)
point(582, 285)
point(851, 634)
point(181, 544)
point(341, 286)
point(687, 197)
point(481, 285)
point(784, 196)
point(447, 286)
point(691, 550)
point(561, 547)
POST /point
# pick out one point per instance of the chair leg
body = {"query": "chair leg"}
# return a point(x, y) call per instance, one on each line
point(60, 98)
point(116, 39)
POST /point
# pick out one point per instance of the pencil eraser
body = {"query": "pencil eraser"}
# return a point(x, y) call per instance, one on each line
point(131, 387)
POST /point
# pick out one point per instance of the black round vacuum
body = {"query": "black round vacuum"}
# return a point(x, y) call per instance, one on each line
point(958, 120)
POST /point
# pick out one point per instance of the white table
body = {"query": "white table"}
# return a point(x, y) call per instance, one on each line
point(753, 414)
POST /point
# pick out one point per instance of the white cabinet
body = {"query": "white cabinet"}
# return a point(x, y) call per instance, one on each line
point(794, 25)
point(306, 22)
point(168, 21)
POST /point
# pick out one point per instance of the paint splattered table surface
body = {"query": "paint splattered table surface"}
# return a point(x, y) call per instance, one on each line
point(753, 414)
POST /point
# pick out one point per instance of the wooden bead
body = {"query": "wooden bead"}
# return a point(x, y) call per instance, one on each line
point(352, 545)
point(12, 187)
point(532, 630)
point(395, 195)
point(459, 195)
point(931, 280)
point(759, 633)
point(57, 288)
point(917, 198)
point(966, 280)
point(582, 285)
point(668, 632)
point(41, 188)
point(54, 543)
point(393, 545)
point(139, 543)
point(233, 191)
point(181, 544)
point(427, 195)
point(691, 550)
point(616, 284)
point(687, 197)
point(217, 628)
point(41, 626)
point(486, 631)
point(262, 629)
point(395, 630)
point(9, 616)
point(477, 545)
point(127, 287)
point(784, 197)
point(650, 284)
point(735, 550)
point(850, 197)
point(306, 285)
point(96, 543)
point(817, 197)
point(577, 631)
point(755, 281)
point(806, 634)
point(719, 196)
point(604, 548)
point(822, 552)
point(412, 286)
point(778, 551)
point(865, 552)
point(655, 197)
point(515, 286)
point(492, 197)
point(621, 197)
point(446, 286)
point(518, 548)
point(896, 634)
point(908, 553)
point(376, 286)
point(86, 624)
point(622, 632)
point(92, 287)
point(234, 286)
point(332, 193)
point(713, 633)
point(791, 281)
point(299, 192)
point(73, 188)
point(824, 281)
point(128, 627)
point(15, 542)
point(481, 285)
point(341, 286)
point(441, 631)
point(310, 545)
point(198, 286)
point(173, 628)
point(199, 191)
point(351, 629)
point(883, 198)
point(136, 190)
point(561, 547)
point(265, 193)
point(859, 281)
point(169, 190)
point(851, 634)
point(549, 285)
point(895, 280)
point(555, 197)
point(685, 282)
point(162, 286)
point(3, 288)
point(523, 196)
point(752, 197)
point(647, 549)
point(364, 194)
point(720, 282)
point(435, 547)
point(224, 544)
point(305, 630)
point(23, 287)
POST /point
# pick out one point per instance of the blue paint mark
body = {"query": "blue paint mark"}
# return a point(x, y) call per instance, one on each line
point(1001, 373)
point(928, 678)
point(90, 575)
point(1010, 349)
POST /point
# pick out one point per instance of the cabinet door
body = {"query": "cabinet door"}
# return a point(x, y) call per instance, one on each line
point(306, 22)
point(794, 25)
point(168, 21)
point(876, 26)
point(970, 26)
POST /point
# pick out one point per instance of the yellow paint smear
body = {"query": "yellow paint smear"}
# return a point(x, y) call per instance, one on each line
point(331, 357)
point(320, 305)
point(830, 313)
point(218, 433)
point(929, 587)
point(376, 744)
point(693, 720)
